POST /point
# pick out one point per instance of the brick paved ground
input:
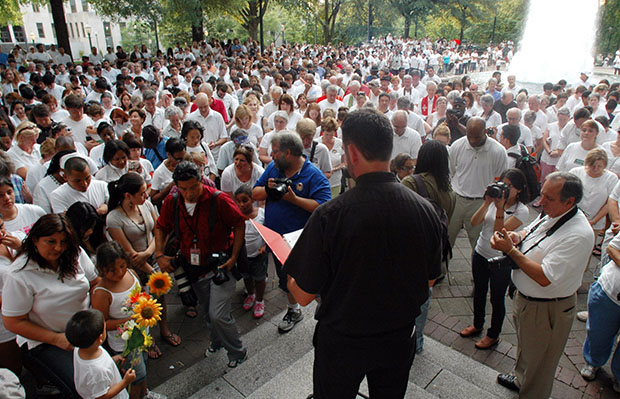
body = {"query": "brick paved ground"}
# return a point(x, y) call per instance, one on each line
point(451, 311)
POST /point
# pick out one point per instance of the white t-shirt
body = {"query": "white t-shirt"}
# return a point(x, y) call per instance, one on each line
point(321, 157)
point(595, 192)
point(78, 129)
point(41, 194)
point(5, 264)
point(40, 294)
point(335, 156)
point(64, 196)
point(161, 177)
point(609, 279)
point(483, 245)
point(94, 378)
point(230, 181)
point(409, 143)
point(333, 106)
point(22, 159)
point(574, 155)
point(613, 162)
point(214, 127)
point(293, 118)
point(253, 240)
point(554, 143)
point(27, 215)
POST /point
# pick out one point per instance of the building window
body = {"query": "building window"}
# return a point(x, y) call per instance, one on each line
point(77, 30)
point(73, 6)
point(5, 34)
point(107, 31)
point(72, 34)
point(40, 30)
point(53, 30)
point(35, 7)
point(85, 5)
point(20, 34)
point(83, 30)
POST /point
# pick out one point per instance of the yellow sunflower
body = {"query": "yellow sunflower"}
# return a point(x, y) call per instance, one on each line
point(159, 283)
point(147, 312)
point(148, 340)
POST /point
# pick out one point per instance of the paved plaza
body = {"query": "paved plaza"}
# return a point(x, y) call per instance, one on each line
point(183, 371)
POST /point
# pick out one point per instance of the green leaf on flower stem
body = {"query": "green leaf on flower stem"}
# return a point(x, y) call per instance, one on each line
point(135, 341)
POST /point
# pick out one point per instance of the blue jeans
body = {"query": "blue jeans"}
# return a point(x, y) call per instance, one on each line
point(420, 322)
point(602, 327)
point(54, 364)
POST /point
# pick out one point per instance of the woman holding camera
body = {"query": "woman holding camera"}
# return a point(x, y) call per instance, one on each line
point(503, 207)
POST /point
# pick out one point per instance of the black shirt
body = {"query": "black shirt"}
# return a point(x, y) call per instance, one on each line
point(501, 109)
point(370, 254)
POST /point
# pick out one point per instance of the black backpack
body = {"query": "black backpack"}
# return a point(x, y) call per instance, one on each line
point(446, 248)
point(529, 165)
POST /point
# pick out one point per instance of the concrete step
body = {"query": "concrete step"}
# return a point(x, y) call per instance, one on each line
point(280, 366)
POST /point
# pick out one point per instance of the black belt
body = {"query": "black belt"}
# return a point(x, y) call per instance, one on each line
point(470, 198)
point(529, 298)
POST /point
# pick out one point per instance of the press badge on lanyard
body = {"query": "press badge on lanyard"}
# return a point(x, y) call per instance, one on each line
point(194, 253)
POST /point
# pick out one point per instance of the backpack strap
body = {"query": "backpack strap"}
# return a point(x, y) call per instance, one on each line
point(419, 181)
point(175, 205)
point(312, 151)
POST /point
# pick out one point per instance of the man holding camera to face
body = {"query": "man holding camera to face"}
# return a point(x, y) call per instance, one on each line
point(548, 260)
point(210, 230)
point(293, 188)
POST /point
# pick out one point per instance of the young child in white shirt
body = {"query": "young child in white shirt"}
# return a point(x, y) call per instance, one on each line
point(95, 373)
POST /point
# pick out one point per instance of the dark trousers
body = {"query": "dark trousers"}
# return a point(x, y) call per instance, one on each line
point(498, 279)
point(54, 364)
point(342, 362)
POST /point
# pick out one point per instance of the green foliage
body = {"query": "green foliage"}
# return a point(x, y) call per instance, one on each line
point(608, 34)
point(9, 12)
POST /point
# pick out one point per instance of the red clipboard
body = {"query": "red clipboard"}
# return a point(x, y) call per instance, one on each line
point(278, 244)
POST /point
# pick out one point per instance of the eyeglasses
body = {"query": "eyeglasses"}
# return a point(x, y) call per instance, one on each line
point(407, 168)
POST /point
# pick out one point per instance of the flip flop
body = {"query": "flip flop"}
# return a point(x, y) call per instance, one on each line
point(171, 339)
point(154, 352)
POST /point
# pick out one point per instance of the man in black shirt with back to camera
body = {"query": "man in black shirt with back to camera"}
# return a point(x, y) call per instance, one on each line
point(370, 254)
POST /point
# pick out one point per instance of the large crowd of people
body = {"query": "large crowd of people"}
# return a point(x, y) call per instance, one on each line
point(107, 163)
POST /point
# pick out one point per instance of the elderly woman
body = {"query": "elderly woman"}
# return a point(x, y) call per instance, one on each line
point(280, 120)
point(26, 153)
point(598, 183)
point(402, 166)
point(242, 171)
point(492, 118)
point(49, 281)
point(440, 112)
point(329, 127)
point(317, 153)
point(574, 154)
point(173, 114)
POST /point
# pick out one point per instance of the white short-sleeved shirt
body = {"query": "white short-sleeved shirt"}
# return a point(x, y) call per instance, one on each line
point(41, 194)
point(27, 215)
point(613, 162)
point(483, 245)
point(64, 196)
point(22, 159)
point(554, 143)
point(35, 175)
point(473, 169)
point(573, 156)
point(596, 190)
point(93, 378)
point(214, 127)
point(230, 181)
point(204, 150)
point(494, 119)
point(563, 256)
point(335, 156)
point(293, 118)
point(5, 264)
point(78, 129)
point(333, 106)
point(609, 279)
point(40, 294)
point(161, 177)
point(321, 157)
point(110, 173)
point(409, 143)
point(253, 240)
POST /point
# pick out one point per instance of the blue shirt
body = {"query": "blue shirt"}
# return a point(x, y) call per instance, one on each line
point(161, 150)
point(284, 217)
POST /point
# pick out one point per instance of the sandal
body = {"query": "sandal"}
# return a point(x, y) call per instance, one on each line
point(597, 251)
point(171, 339)
point(191, 312)
point(154, 352)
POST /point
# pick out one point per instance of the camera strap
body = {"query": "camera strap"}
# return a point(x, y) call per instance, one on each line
point(212, 215)
point(553, 228)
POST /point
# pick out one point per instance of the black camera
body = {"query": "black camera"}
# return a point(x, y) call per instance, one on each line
point(214, 262)
point(279, 190)
point(497, 190)
point(453, 112)
point(489, 132)
point(501, 262)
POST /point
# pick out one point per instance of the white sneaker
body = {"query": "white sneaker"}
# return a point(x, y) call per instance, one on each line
point(582, 316)
point(588, 372)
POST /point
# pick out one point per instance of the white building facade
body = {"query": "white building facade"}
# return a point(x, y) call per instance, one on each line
point(38, 27)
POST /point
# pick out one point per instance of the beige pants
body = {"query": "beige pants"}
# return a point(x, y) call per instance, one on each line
point(464, 209)
point(542, 332)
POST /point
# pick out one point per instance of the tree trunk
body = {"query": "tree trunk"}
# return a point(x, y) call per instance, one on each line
point(197, 26)
point(462, 29)
point(326, 24)
point(407, 26)
point(60, 25)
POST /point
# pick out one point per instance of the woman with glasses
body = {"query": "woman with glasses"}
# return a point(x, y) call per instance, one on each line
point(402, 166)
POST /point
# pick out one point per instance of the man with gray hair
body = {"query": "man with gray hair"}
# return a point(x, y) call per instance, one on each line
point(513, 117)
point(286, 213)
point(548, 259)
point(331, 99)
point(414, 121)
point(405, 139)
point(272, 106)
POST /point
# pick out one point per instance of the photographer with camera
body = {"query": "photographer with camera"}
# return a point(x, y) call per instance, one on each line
point(503, 208)
point(550, 257)
point(293, 188)
point(210, 238)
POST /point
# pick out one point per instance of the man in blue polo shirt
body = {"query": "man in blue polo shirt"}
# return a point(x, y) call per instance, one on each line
point(309, 188)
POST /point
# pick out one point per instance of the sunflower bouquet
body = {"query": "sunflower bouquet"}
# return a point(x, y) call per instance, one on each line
point(145, 312)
